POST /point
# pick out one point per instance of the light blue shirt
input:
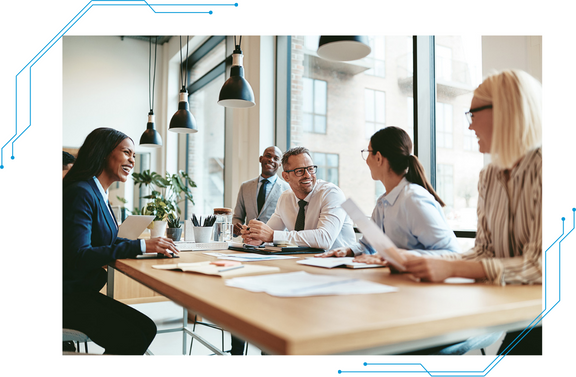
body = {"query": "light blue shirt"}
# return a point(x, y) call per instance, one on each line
point(268, 187)
point(413, 220)
point(105, 197)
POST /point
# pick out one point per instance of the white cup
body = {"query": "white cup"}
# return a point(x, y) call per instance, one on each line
point(202, 234)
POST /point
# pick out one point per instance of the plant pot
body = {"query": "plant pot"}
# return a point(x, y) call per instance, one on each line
point(202, 234)
point(157, 229)
point(174, 233)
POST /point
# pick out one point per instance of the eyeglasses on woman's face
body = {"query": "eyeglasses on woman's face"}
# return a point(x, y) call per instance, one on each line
point(365, 153)
point(470, 114)
point(299, 172)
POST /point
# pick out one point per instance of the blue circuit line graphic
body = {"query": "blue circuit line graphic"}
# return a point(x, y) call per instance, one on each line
point(420, 368)
point(93, 3)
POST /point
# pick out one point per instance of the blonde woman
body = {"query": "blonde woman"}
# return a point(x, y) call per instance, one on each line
point(506, 115)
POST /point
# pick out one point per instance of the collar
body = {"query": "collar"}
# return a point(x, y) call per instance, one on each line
point(101, 189)
point(271, 179)
point(393, 195)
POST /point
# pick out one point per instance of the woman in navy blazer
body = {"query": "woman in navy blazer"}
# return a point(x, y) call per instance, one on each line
point(90, 242)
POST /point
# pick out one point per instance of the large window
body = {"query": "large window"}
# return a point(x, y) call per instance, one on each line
point(458, 162)
point(205, 157)
point(378, 91)
point(342, 104)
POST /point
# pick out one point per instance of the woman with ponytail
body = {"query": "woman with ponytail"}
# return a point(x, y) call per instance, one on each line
point(410, 212)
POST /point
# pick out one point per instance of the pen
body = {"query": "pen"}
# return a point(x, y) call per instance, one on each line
point(230, 268)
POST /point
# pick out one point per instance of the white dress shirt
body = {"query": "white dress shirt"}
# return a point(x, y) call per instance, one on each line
point(411, 217)
point(326, 226)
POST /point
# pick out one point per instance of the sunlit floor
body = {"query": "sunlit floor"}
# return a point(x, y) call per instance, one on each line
point(168, 315)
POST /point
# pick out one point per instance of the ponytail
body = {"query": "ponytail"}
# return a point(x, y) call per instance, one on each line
point(395, 144)
point(417, 175)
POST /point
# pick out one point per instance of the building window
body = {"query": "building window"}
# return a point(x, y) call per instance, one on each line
point(445, 183)
point(314, 104)
point(376, 58)
point(327, 166)
point(444, 125)
point(374, 111)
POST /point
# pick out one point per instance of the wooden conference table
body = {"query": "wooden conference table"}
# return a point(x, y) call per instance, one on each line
point(418, 315)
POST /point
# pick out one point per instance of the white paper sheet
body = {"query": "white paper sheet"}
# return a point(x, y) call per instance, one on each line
point(301, 284)
point(335, 262)
point(374, 235)
point(248, 257)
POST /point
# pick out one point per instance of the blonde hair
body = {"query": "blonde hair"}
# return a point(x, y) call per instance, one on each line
point(516, 99)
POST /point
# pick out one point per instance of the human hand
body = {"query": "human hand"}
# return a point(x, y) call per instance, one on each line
point(429, 268)
point(257, 231)
point(338, 253)
point(237, 229)
point(370, 259)
point(161, 245)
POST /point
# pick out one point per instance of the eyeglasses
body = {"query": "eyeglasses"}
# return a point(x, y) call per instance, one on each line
point(299, 172)
point(469, 114)
point(365, 152)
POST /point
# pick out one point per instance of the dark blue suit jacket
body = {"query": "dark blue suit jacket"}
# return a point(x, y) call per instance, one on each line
point(89, 239)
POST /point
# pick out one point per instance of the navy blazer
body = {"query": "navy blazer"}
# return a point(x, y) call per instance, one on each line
point(89, 239)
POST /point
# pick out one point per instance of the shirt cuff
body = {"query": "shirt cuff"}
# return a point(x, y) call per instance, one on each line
point(142, 246)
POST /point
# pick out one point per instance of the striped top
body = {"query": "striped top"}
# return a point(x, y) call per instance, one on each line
point(509, 237)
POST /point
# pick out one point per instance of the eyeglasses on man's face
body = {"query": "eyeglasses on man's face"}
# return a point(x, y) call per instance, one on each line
point(469, 114)
point(299, 172)
point(365, 152)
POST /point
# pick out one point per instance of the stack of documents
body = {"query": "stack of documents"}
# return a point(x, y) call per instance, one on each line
point(336, 262)
point(226, 272)
point(301, 284)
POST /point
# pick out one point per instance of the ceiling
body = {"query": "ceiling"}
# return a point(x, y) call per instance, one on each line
point(161, 38)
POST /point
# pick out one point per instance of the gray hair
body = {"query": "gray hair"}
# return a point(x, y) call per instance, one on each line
point(293, 152)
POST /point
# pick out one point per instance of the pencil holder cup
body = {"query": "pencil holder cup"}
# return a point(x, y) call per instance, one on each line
point(202, 234)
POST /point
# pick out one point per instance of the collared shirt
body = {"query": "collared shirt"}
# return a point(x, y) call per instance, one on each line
point(411, 217)
point(268, 187)
point(326, 226)
point(509, 237)
point(104, 194)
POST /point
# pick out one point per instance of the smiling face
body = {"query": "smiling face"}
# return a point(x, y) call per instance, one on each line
point(302, 186)
point(482, 125)
point(270, 161)
point(119, 163)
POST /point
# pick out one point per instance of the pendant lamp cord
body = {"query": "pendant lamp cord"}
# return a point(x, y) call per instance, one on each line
point(239, 42)
point(182, 76)
point(151, 93)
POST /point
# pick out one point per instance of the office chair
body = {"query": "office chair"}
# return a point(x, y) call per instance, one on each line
point(69, 335)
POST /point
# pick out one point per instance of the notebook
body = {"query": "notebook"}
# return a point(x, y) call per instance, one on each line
point(133, 226)
point(274, 249)
point(207, 268)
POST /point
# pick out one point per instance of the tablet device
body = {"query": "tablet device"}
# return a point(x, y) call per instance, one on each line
point(133, 226)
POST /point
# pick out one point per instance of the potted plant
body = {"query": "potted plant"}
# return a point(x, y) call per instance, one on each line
point(174, 231)
point(167, 192)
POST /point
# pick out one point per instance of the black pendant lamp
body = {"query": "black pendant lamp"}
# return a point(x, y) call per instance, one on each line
point(183, 121)
point(343, 48)
point(151, 138)
point(236, 91)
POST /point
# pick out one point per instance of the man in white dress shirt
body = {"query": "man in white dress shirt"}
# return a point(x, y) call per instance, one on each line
point(310, 214)
point(257, 197)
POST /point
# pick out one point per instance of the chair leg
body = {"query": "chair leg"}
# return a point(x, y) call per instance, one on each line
point(482, 350)
point(192, 340)
point(86, 347)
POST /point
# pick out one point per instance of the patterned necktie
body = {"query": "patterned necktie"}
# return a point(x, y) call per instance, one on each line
point(262, 194)
point(300, 219)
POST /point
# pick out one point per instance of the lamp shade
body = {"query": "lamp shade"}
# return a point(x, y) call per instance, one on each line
point(151, 138)
point(183, 121)
point(236, 91)
point(343, 48)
